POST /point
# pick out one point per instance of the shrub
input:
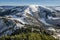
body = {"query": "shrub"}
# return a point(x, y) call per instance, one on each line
point(28, 36)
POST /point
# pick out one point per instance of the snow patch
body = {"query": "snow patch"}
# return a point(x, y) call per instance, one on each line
point(43, 21)
point(18, 19)
point(51, 29)
point(34, 8)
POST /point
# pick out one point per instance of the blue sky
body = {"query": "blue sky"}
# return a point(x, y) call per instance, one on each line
point(27, 2)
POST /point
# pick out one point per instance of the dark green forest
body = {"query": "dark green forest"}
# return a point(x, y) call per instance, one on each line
point(29, 34)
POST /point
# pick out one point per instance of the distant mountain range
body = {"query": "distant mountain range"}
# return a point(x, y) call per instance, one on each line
point(15, 17)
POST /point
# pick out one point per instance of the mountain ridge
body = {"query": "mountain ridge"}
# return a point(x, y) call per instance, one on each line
point(27, 15)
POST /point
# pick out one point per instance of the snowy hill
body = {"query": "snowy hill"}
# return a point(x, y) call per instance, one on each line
point(12, 18)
